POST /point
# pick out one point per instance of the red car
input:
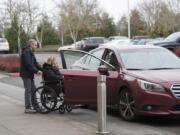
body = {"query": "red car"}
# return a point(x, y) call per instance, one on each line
point(142, 80)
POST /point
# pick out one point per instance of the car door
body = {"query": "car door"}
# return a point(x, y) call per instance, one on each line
point(80, 76)
point(80, 79)
point(113, 80)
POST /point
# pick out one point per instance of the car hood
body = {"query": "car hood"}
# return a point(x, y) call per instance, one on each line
point(158, 76)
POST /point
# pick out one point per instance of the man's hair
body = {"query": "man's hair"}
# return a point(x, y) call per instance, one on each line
point(32, 41)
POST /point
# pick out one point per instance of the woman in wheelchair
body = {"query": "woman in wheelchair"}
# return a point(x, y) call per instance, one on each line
point(52, 76)
point(50, 96)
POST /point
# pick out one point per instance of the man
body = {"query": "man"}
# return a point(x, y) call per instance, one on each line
point(29, 67)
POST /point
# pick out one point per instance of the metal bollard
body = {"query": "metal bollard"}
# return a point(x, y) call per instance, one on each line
point(101, 100)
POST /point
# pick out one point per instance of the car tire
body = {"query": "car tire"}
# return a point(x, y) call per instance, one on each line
point(126, 105)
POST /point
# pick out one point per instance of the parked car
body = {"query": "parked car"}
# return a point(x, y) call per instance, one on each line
point(172, 42)
point(4, 45)
point(145, 41)
point(117, 42)
point(141, 80)
point(136, 39)
point(90, 43)
point(69, 46)
point(117, 38)
point(140, 37)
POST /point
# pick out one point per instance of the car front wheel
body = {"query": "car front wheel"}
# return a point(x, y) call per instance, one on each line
point(126, 105)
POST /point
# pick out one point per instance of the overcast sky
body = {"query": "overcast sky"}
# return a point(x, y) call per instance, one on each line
point(116, 8)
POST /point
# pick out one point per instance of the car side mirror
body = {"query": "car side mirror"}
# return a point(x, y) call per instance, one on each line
point(103, 70)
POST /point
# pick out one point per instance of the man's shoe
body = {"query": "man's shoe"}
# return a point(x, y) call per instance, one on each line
point(30, 111)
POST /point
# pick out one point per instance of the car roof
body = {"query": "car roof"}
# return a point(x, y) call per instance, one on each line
point(131, 47)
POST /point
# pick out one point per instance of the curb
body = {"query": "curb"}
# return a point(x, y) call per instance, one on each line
point(14, 74)
point(17, 75)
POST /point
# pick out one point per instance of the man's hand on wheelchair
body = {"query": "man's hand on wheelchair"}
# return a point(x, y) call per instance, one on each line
point(39, 73)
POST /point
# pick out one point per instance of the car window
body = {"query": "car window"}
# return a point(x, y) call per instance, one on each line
point(146, 59)
point(70, 57)
point(112, 59)
point(94, 61)
point(89, 62)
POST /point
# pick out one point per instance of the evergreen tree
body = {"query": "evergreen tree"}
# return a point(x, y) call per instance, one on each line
point(138, 26)
point(49, 34)
point(12, 37)
point(107, 27)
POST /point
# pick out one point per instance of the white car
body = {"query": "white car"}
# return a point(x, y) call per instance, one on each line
point(117, 42)
point(69, 46)
point(4, 45)
point(117, 38)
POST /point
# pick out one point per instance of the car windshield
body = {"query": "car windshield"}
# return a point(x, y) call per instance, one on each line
point(146, 59)
point(173, 37)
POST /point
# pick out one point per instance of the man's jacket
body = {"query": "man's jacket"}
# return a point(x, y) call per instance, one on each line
point(28, 63)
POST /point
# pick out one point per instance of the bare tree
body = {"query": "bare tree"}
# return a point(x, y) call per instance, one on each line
point(158, 15)
point(174, 5)
point(24, 12)
point(33, 16)
point(75, 13)
point(166, 20)
point(16, 12)
point(150, 11)
point(40, 30)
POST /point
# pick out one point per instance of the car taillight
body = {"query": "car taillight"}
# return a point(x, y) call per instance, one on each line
point(7, 44)
point(84, 45)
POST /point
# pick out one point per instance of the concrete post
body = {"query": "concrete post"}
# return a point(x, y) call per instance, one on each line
point(101, 100)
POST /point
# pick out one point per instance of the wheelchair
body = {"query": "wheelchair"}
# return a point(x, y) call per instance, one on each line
point(50, 97)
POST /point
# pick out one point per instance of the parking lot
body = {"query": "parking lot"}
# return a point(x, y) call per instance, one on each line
point(80, 121)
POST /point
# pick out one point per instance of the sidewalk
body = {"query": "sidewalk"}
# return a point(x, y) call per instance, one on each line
point(13, 121)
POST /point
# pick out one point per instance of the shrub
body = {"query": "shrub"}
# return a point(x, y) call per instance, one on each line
point(10, 63)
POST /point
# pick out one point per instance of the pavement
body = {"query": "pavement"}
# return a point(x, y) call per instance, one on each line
point(13, 120)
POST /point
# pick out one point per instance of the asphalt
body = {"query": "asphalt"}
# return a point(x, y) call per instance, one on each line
point(13, 121)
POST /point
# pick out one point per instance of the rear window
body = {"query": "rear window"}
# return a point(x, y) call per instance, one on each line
point(2, 40)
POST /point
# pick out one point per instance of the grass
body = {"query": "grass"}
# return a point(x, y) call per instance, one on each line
point(48, 48)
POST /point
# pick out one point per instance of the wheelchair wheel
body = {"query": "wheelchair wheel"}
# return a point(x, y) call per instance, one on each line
point(68, 108)
point(60, 101)
point(36, 101)
point(49, 98)
point(61, 109)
